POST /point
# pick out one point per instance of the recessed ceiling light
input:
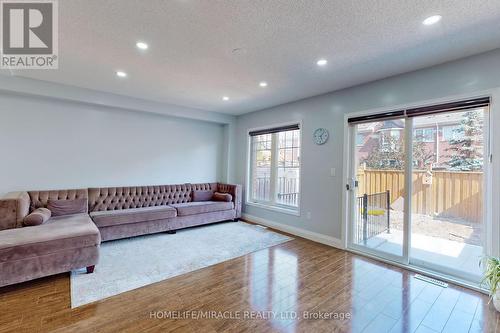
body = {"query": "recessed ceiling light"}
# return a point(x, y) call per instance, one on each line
point(141, 45)
point(432, 20)
point(121, 74)
point(321, 62)
point(225, 98)
point(263, 84)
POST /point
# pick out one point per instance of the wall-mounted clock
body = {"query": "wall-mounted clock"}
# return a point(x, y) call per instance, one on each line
point(320, 136)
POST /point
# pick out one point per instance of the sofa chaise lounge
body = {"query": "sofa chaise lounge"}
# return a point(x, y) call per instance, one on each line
point(72, 241)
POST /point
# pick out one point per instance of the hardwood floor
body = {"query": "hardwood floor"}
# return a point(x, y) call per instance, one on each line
point(295, 278)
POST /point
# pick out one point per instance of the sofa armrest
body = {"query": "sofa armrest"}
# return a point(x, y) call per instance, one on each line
point(235, 191)
point(14, 207)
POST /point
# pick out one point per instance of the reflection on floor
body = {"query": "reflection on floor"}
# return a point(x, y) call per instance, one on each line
point(298, 286)
point(444, 252)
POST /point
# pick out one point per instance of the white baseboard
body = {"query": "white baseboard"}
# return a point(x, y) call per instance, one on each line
point(314, 236)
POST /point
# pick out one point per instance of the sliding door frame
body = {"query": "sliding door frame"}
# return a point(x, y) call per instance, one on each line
point(403, 258)
point(491, 188)
point(486, 191)
point(408, 189)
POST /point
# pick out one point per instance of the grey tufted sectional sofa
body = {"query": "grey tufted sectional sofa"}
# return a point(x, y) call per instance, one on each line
point(69, 242)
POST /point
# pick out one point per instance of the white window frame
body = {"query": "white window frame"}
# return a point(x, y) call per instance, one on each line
point(272, 204)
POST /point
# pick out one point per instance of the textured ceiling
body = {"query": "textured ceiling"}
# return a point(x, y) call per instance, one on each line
point(191, 61)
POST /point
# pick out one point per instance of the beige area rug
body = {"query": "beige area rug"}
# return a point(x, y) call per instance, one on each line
point(135, 262)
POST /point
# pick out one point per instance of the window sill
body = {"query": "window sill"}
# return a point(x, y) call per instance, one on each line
point(289, 211)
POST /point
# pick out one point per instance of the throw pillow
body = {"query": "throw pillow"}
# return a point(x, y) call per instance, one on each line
point(222, 197)
point(202, 195)
point(67, 207)
point(37, 217)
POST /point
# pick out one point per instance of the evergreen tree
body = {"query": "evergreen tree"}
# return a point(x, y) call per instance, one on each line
point(466, 145)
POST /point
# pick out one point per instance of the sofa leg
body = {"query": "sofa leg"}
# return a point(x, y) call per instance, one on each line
point(236, 220)
point(90, 269)
point(171, 232)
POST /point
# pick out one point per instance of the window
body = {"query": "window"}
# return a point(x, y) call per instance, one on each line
point(389, 139)
point(452, 133)
point(275, 167)
point(424, 134)
point(261, 171)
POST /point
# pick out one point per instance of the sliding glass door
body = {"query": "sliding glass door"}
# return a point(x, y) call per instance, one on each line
point(447, 227)
point(425, 208)
point(378, 187)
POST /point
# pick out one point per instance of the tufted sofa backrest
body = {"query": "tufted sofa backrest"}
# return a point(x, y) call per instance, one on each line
point(116, 198)
point(40, 198)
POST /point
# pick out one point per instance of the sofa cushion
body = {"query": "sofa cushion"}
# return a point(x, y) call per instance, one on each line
point(199, 195)
point(109, 218)
point(113, 198)
point(200, 207)
point(57, 234)
point(67, 207)
point(37, 217)
point(39, 199)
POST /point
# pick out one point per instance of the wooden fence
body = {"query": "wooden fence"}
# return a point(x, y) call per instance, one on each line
point(442, 193)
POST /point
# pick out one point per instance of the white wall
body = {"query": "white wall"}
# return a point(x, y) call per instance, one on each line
point(20, 85)
point(48, 143)
point(321, 193)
